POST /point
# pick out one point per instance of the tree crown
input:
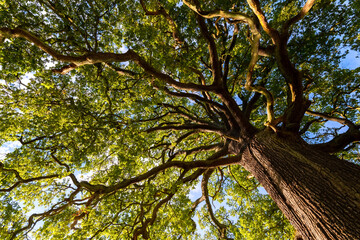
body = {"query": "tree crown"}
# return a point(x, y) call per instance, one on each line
point(123, 107)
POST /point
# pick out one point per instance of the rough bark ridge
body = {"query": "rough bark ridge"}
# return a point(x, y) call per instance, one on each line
point(311, 188)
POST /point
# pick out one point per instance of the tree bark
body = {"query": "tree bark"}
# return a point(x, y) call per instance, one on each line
point(317, 192)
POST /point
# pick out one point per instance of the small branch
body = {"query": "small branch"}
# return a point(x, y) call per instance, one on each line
point(305, 9)
point(197, 202)
point(199, 127)
point(20, 179)
point(52, 154)
point(228, 56)
point(31, 141)
point(121, 71)
point(195, 97)
point(187, 152)
point(205, 192)
point(308, 124)
point(214, 58)
point(217, 106)
point(191, 117)
point(162, 11)
point(53, 211)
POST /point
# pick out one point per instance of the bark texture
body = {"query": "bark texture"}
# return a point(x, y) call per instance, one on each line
point(317, 192)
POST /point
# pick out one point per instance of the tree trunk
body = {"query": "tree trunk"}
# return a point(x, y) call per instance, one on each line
point(318, 193)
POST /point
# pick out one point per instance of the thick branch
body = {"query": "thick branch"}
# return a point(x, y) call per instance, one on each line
point(219, 13)
point(255, 7)
point(339, 142)
point(98, 57)
point(260, 89)
point(212, 162)
point(297, 104)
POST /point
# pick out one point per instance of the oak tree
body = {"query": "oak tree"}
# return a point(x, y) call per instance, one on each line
point(122, 108)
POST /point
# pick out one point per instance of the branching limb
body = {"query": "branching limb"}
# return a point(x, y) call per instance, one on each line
point(223, 111)
point(305, 9)
point(98, 57)
point(52, 154)
point(220, 182)
point(121, 71)
point(228, 56)
point(148, 222)
point(236, 113)
point(56, 209)
point(215, 64)
point(214, 161)
point(202, 81)
point(342, 121)
point(162, 11)
point(192, 118)
point(339, 142)
point(20, 179)
point(142, 230)
point(195, 97)
point(255, 7)
point(308, 124)
point(67, 19)
point(271, 121)
point(205, 192)
point(187, 152)
point(26, 142)
point(199, 127)
point(197, 202)
point(297, 104)
point(214, 58)
point(195, 6)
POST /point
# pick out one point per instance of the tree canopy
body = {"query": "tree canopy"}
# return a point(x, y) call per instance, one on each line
point(125, 109)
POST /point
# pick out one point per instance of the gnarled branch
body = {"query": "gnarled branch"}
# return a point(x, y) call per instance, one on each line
point(99, 57)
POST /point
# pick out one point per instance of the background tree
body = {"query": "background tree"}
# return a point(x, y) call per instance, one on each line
point(130, 104)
